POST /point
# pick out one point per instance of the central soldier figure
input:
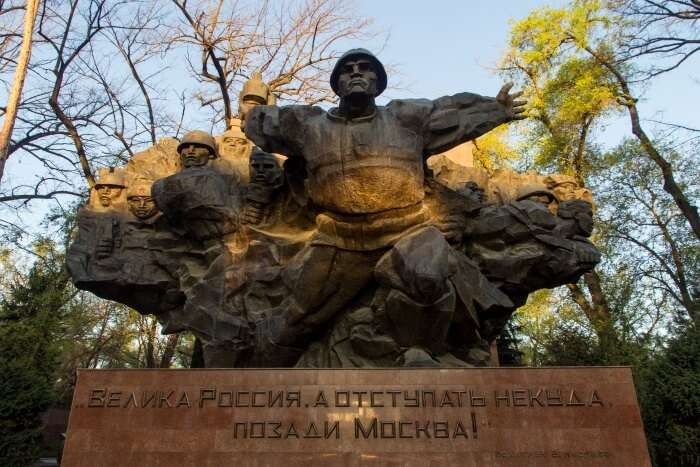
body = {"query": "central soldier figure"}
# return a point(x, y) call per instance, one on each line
point(365, 169)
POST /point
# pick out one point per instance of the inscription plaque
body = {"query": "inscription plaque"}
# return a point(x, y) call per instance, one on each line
point(377, 417)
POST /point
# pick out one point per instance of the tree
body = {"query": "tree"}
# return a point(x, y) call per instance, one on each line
point(30, 314)
point(18, 82)
point(293, 44)
point(644, 236)
point(569, 95)
point(666, 32)
point(587, 28)
point(669, 390)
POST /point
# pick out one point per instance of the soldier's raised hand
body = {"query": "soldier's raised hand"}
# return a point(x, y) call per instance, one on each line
point(515, 109)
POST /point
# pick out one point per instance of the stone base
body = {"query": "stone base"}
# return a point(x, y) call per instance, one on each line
point(375, 417)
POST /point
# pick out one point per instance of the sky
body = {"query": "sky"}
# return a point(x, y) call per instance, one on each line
point(448, 46)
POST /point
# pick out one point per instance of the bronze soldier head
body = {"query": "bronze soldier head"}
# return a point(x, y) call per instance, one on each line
point(196, 148)
point(254, 92)
point(109, 187)
point(141, 204)
point(358, 71)
point(264, 169)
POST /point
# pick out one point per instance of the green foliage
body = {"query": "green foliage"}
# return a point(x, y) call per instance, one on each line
point(568, 91)
point(29, 324)
point(669, 390)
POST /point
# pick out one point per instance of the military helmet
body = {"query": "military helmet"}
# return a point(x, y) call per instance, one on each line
point(111, 177)
point(534, 189)
point(255, 86)
point(199, 137)
point(559, 179)
point(357, 53)
point(139, 188)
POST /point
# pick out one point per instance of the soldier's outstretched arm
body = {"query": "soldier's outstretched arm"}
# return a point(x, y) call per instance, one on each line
point(278, 130)
point(465, 116)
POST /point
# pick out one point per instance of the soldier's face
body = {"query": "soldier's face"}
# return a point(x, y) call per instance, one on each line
point(106, 193)
point(565, 191)
point(357, 77)
point(234, 146)
point(194, 155)
point(142, 207)
point(264, 171)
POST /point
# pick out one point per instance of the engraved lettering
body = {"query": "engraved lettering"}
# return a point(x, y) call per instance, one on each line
point(520, 398)
point(163, 399)
point(595, 399)
point(423, 430)
point(114, 399)
point(276, 430)
point(414, 400)
point(432, 398)
point(441, 430)
point(393, 397)
point(476, 401)
point(554, 398)
point(225, 399)
point(184, 400)
point(446, 400)
point(504, 398)
point(384, 433)
point(346, 402)
point(574, 399)
point(312, 431)
point(459, 397)
point(206, 395)
point(321, 400)
point(243, 399)
point(276, 400)
point(536, 398)
point(148, 399)
point(131, 399)
point(291, 432)
point(459, 431)
point(254, 398)
point(294, 397)
point(366, 433)
point(97, 398)
point(335, 428)
point(372, 399)
point(401, 433)
point(252, 429)
point(359, 395)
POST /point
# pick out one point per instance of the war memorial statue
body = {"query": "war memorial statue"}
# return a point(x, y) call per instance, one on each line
point(321, 238)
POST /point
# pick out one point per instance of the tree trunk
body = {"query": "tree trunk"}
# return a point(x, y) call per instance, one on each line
point(596, 309)
point(18, 82)
point(169, 351)
point(197, 354)
point(689, 211)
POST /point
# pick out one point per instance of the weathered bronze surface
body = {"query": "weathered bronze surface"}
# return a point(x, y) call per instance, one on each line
point(333, 243)
point(520, 417)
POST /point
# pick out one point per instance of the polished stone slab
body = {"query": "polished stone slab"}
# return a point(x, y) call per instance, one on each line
point(520, 417)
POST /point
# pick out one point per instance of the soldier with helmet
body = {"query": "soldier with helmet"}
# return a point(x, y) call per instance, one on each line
point(141, 204)
point(109, 187)
point(365, 166)
point(538, 193)
point(196, 149)
point(254, 92)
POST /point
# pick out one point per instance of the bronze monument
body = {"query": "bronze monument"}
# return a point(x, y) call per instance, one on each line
point(331, 243)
